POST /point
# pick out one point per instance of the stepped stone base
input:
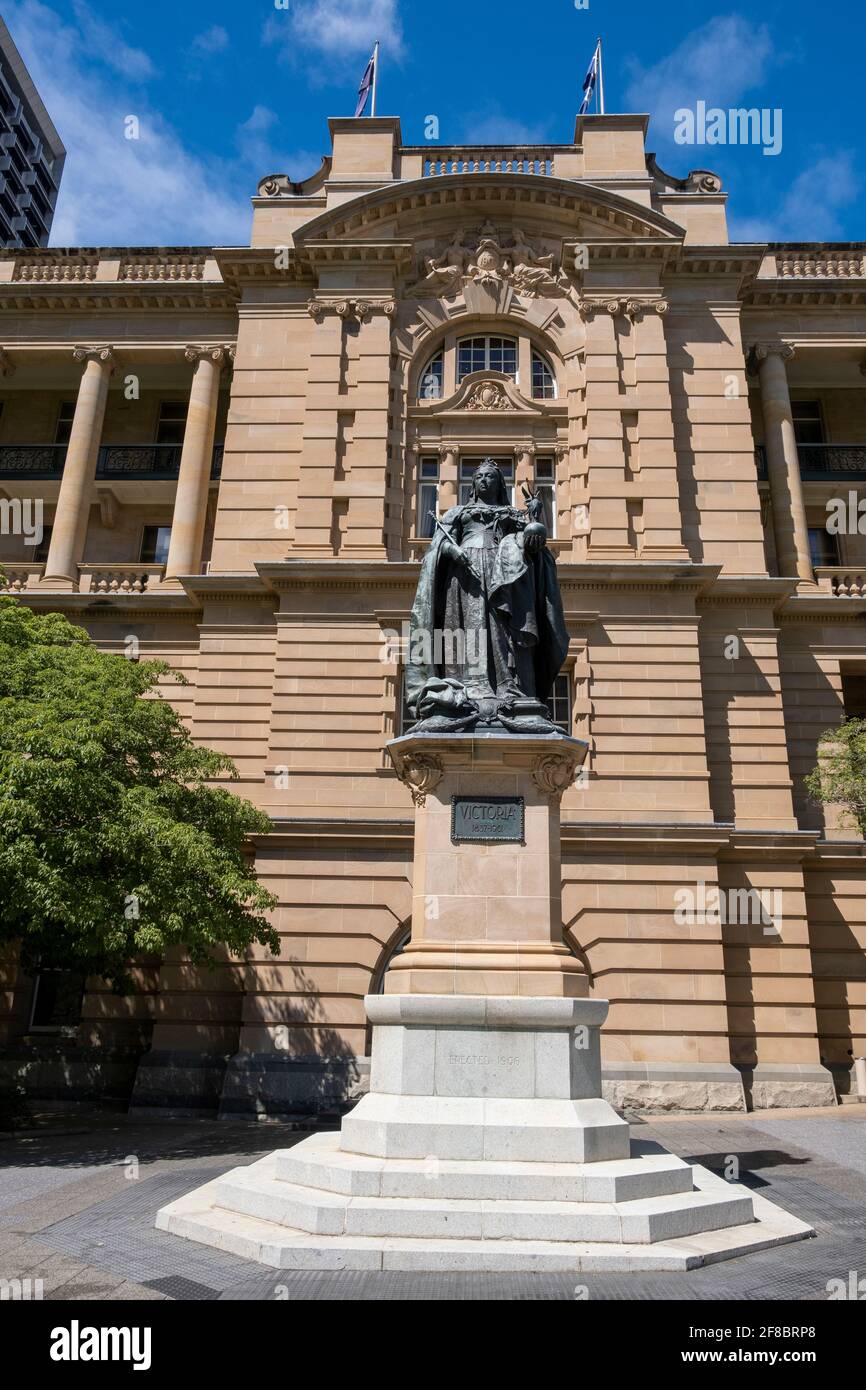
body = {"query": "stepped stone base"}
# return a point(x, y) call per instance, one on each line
point(484, 1144)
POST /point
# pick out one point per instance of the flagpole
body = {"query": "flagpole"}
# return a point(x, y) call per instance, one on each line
point(600, 78)
point(375, 75)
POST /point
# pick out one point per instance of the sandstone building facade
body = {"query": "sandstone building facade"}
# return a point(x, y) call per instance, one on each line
point(238, 451)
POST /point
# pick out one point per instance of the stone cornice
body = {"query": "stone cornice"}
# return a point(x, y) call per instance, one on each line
point(610, 213)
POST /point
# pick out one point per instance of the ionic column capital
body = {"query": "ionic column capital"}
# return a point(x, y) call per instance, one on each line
point(221, 354)
point(762, 351)
point(102, 354)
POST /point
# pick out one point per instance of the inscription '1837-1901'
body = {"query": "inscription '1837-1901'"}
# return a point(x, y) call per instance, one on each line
point(490, 818)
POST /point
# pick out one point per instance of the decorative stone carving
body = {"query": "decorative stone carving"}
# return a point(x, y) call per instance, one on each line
point(421, 773)
point(487, 261)
point(97, 354)
point(7, 367)
point(489, 395)
point(554, 773)
point(357, 310)
point(630, 307)
point(220, 353)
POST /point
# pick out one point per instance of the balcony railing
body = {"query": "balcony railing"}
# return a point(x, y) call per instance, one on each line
point(824, 462)
point(840, 581)
point(117, 462)
point(490, 160)
point(119, 579)
point(19, 577)
point(42, 461)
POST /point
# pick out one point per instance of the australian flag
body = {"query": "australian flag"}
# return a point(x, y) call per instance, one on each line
point(591, 80)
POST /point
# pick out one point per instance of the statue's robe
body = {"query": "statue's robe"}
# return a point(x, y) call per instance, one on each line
point(523, 600)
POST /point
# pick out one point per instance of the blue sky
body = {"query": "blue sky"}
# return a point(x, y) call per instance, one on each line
point(226, 93)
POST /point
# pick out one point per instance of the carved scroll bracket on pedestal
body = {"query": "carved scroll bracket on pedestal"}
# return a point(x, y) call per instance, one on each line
point(421, 773)
point(553, 773)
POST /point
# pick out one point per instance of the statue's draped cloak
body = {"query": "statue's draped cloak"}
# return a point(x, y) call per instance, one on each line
point(523, 596)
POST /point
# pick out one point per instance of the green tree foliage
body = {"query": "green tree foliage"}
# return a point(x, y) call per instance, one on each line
point(114, 842)
point(841, 772)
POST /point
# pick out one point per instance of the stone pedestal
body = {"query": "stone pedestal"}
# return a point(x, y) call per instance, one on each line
point(487, 885)
point(484, 1142)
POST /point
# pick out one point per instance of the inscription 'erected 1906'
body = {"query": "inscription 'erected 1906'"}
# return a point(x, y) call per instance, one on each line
point(496, 818)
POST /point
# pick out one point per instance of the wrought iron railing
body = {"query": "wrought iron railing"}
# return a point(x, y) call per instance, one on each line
point(824, 462)
point(117, 462)
point(43, 461)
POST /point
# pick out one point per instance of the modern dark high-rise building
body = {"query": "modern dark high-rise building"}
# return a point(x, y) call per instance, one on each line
point(32, 154)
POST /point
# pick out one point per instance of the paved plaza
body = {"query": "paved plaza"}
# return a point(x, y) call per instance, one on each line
point(79, 1194)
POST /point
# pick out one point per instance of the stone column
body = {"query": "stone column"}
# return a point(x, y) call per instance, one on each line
point(524, 474)
point(783, 463)
point(196, 463)
point(69, 530)
point(449, 482)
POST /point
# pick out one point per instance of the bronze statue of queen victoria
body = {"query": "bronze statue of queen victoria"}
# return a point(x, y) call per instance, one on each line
point(488, 635)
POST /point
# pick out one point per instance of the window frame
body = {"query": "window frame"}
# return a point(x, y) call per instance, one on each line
point(157, 527)
point(544, 362)
point(487, 339)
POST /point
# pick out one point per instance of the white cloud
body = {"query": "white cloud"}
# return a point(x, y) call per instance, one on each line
point(336, 29)
point(717, 63)
point(106, 44)
point(809, 210)
point(212, 41)
point(147, 192)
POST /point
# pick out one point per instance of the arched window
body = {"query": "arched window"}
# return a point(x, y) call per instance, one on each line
point(432, 380)
point(543, 379)
point(487, 354)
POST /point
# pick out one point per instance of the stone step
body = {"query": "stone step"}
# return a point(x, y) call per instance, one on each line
point(461, 1129)
point(194, 1217)
point(249, 1192)
point(319, 1162)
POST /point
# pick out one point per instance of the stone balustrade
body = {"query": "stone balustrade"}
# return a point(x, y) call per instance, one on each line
point(106, 265)
point(14, 579)
point(842, 581)
point(506, 159)
point(119, 579)
point(810, 263)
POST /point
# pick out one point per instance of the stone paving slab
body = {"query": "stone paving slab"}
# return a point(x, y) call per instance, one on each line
point(69, 1215)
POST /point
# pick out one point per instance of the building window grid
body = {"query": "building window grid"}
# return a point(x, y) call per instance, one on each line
point(543, 379)
point(487, 354)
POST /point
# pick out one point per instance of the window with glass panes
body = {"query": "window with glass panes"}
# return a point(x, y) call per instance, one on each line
point(808, 422)
point(468, 469)
point(432, 381)
point(560, 703)
point(154, 545)
point(40, 552)
point(543, 380)
point(823, 547)
point(545, 486)
point(428, 496)
point(65, 416)
point(172, 422)
point(487, 354)
point(407, 718)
